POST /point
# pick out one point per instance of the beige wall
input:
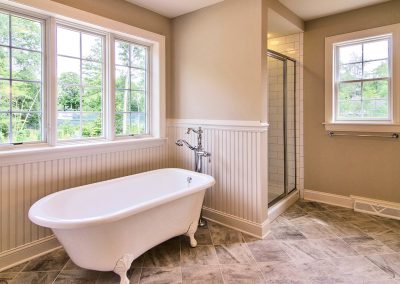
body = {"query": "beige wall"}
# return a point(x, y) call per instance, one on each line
point(347, 166)
point(217, 62)
point(125, 12)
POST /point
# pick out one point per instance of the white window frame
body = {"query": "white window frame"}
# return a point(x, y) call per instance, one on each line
point(331, 43)
point(54, 13)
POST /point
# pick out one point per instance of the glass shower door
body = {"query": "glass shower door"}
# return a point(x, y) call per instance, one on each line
point(282, 126)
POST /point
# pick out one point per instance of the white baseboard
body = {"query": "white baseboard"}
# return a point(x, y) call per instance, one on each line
point(328, 198)
point(280, 207)
point(233, 222)
point(26, 252)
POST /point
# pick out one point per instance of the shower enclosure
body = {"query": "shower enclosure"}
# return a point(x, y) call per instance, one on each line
point(282, 126)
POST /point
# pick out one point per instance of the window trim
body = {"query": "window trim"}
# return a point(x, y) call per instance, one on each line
point(392, 125)
point(52, 12)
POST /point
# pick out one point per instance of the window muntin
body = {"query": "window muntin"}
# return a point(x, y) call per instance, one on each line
point(131, 88)
point(21, 79)
point(80, 84)
point(362, 76)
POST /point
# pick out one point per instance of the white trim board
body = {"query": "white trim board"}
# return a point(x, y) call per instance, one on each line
point(26, 252)
point(239, 224)
point(221, 124)
point(359, 204)
point(328, 198)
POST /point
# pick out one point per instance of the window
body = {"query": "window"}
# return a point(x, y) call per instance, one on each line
point(131, 88)
point(66, 80)
point(80, 74)
point(21, 79)
point(362, 89)
point(363, 77)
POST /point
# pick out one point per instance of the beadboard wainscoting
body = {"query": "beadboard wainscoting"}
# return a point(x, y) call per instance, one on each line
point(239, 165)
point(26, 178)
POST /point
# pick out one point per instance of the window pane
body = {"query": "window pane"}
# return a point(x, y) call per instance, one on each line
point(138, 101)
point(26, 127)
point(4, 128)
point(21, 90)
point(69, 98)
point(68, 70)
point(131, 90)
point(138, 123)
point(122, 100)
point(376, 50)
point(376, 109)
point(376, 90)
point(92, 47)
point(122, 53)
point(376, 69)
point(68, 125)
point(122, 78)
point(122, 123)
point(91, 125)
point(348, 110)
point(26, 96)
point(4, 29)
point(138, 78)
point(350, 72)
point(80, 91)
point(26, 33)
point(68, 42)
point(349, 91)
point(4, 62)
point(4, 95)
point(350, 54)
point(92, 73)
point(138, 56)
point(92, 99)
point(26, 65)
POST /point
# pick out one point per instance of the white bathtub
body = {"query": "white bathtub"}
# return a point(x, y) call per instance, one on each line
point(104, 226)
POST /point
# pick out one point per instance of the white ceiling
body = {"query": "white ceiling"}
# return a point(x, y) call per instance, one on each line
point(312, 9)
point(174, 8)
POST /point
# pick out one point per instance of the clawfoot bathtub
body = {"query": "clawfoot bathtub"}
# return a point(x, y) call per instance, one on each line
point(105, 226)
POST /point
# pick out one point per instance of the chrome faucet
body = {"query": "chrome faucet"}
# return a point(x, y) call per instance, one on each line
point(199, 154)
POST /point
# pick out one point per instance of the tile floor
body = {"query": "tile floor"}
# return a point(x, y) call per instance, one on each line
point(309, 243)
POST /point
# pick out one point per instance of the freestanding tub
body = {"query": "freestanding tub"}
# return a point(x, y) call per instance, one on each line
point(104, 226)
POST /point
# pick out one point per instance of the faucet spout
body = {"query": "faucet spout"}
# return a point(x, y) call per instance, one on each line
point(180, 142)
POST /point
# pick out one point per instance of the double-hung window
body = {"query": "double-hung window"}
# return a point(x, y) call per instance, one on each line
point(362, 89)
point(363, 76)
point(21, 79)
point(65, 80)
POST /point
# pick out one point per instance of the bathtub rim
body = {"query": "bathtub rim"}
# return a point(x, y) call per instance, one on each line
point(37, 217)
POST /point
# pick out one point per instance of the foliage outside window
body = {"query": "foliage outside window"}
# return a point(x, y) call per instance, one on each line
point(80, 84)
point(21, 84)
point(131, 88)
point(362, 76)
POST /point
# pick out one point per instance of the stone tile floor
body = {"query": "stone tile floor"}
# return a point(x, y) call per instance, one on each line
point(309, 243)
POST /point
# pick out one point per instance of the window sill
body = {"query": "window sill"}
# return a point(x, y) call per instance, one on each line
point(42, 152)
point(362, 127)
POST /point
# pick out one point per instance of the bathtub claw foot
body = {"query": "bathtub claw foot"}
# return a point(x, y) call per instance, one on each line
point(190, 234)
point(122, 267)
